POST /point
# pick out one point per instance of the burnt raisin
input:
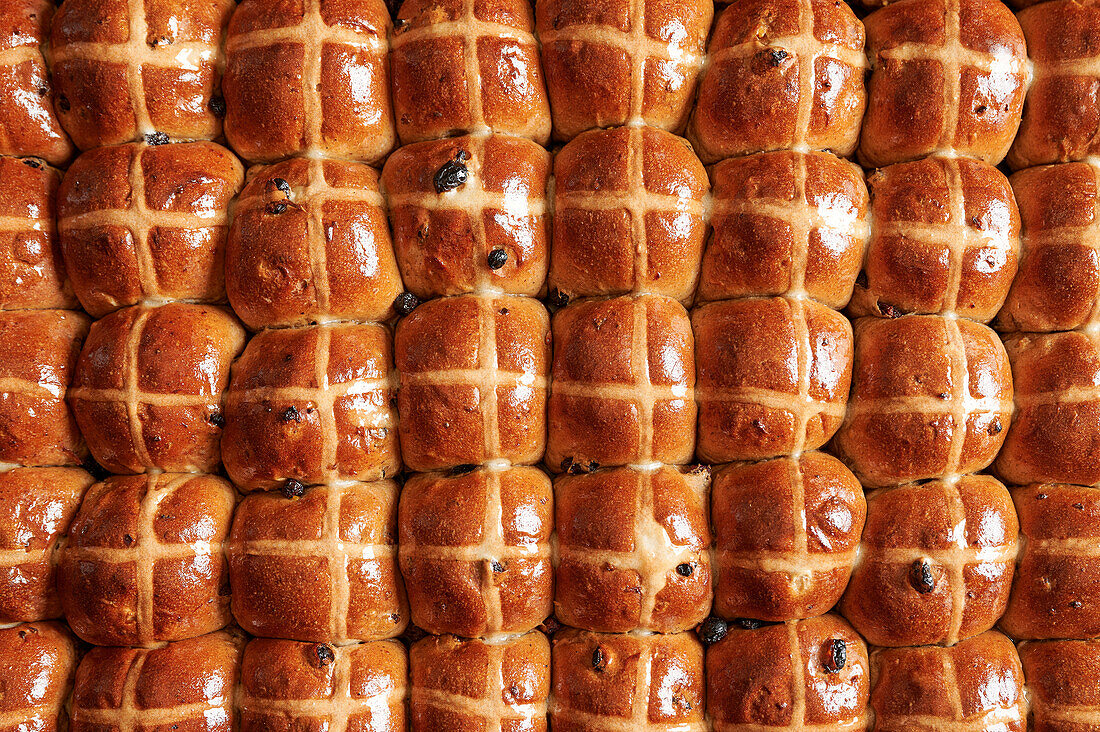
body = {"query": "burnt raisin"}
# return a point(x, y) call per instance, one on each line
point(405, 303)
point(216, 106)
point(451, 174)
point(995, 427)
point(920, 576)
point(497, 258)
point(291, 414)
point(157, 138)
point(685, 569)
point(749, 623)
point(498, 567)
point(276, 207)
point(63, 103)
point(281, 185)
point(325, 654)
point(217, 419)
point(889, 311)
point(33, 163)
point(293, 488)
point(712, 630)
point(836, 656)
point(599, 660)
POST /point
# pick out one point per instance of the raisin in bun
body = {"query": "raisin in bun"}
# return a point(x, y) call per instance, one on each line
point(470, 214)
point(781, 74)
point(786, 223)
point(800, 675)
point(931, 398)
point(115, 85)
point(312, 405)
point(622, 386)
point(36, 507)
point(946, 76)
point(37, 663)
point(28, 123)
point(310, 243)
point(318, 567)
point(470, 685)
point(147, 223)
point(308, 77)
point(636, 682)
point(473, 381)
point(38, 354)
point(633, 550)
point(1063, 684)
point(620, 62)
point(460, 66)
point(629, 215)
point(188, 684)
point(786, 535)
point(143, 561)
point(147, 391)
point(474, 547)
point(935, 563)
point(288, 685)
point(974, 686)
point(944, 240)
point(773, 376)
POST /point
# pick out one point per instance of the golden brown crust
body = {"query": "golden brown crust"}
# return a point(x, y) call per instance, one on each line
point(786, 534)
point(143, 562)
point(782, 74)
point(444, 239)
point(312, 405)
point(605, 681)
point(115, 85)
point(147, 390)
point(946, 75)
point(623, 384)
point(786, 223)
point(628, 214)
point(37, 663)
point(319, 251)
point(288, 686)
point(613, 62)
point(935, 563)
point(36, 507)
point(473, 381)
point(973, 686)
point(931, 398)
point(1063, 681)
point(309, 77)
point(633, 550)
point(38, 354)
point(475, 550)
point(773, 376)
point(321, 567)
point(753, 681)
point(1055, 433)
point(467, 66)
point(945, 236)
point(185, 685)
point(470, 685)
point(139, 222)
point(1055, 593)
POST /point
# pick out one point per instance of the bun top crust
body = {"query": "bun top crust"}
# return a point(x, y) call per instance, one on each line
point(38, 661)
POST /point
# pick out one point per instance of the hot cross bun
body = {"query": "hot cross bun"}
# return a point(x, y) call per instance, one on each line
point(37, 663)
point(1063, 682)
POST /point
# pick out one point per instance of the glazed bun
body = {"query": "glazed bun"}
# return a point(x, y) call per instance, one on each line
point(459, 66)
point(786, 223)
point(187, 685)
point(975, 686)
point(312, 405)
point(37, 663)
point(623, 384)
point(310, 243)
point(473, 381)
point(475, 550)
point(781, 74)
point(470, 685)
point(114, 85)
point(147, 390)
point(773, 376)
point(147, 223)
point(931, 398)
point(287, 685)
point(635, 682)
point(36, 507)
point(629, 215)
point(801, 675)
point(936, 562)
point(1063, 682)
point(620, 62)
point(786, 535)
point(946, 76)
point(633, 551)
point(143, 560)
point(318, 567)
point(38, 354)
point(944, 240)
point(455, 202)
point(308, 78)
